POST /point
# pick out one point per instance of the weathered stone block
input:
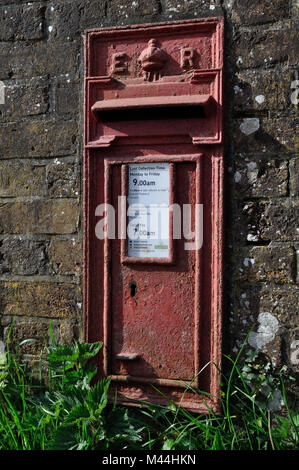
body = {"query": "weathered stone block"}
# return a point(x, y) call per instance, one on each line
point(67, 98)
point(65, 23)
point(262, 90)
point(275, 135)
point(294, 177)
point(21, 22)
point(38, 59)
point(21, 179)
point(191, 7)
point(122, 10)
point(25, 100)
point(93, 13)
point(266, 309)
point(282, 302)
point(66, 256)
point(63, 179)
point(263, 263)
point(67, 332)
point(38, 139)
point(255, 11)
point(266, 48)
point(22, 256)
point(39, 216)
point(247, 317)
point(44, 299)
point(295, 9)
point(261, 178)
point(69, 19)
point(268, 221)
point(34, 335)
point(59, 216)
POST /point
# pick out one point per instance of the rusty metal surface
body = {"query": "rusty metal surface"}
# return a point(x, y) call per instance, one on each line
point(150, 102)
point(157, 323)
point(192, 62)
point(160, 319)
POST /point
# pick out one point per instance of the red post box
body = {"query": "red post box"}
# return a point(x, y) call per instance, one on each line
point(153, 142)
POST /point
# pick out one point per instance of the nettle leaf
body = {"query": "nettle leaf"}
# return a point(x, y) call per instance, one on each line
point(296, 419)
point(122, 426)
point(3, 360)
point(168, 444)
point(184, 442)
point(284, 427)
point(65, 355)
point(72, 377)
point(78, 413)
point(97, 397)
point(90, 371)
point(80, 379)
point(295, 426)
point(67, 438)
point(82, 384)
point(67, 402)
point(187, 442)
point(88, 350)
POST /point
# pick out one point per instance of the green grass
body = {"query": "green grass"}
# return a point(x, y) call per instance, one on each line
point(71, 412)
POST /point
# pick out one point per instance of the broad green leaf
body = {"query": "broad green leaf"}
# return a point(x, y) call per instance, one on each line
point(168, 444)
point(88, 350)
point(67, 438)
point(62, 355)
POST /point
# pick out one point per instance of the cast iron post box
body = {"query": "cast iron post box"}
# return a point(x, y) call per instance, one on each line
point(153, 140)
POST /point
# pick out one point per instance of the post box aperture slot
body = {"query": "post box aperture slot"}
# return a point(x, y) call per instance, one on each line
point(161, 108)
point(153, 114)
point(148, 188)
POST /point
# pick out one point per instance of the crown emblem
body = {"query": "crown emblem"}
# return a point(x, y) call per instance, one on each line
point(152, 60)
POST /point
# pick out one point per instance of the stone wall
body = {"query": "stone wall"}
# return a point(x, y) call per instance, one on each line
point(41, 128)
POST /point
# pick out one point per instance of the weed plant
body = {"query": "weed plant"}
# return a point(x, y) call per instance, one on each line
point(72, 412)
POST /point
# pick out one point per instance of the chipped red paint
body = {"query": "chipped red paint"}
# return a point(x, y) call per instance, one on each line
point(153, 93)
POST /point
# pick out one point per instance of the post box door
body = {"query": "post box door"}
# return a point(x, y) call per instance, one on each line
point(153, 300)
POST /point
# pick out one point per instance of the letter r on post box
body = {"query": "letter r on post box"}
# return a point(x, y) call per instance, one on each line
point(187, 58)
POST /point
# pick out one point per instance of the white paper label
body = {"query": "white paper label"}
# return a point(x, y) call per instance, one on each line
point(148, 210)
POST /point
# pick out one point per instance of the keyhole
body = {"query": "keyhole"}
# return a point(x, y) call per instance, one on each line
point(133, 288)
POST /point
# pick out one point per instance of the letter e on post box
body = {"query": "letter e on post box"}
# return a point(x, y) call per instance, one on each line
point(153, 171)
